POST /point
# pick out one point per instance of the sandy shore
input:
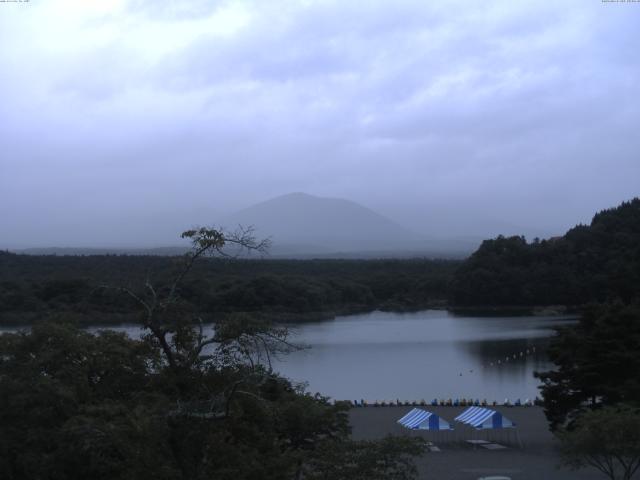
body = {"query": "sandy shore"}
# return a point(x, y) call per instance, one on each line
point(530, 455)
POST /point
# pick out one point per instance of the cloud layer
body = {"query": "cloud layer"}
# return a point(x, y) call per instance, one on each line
point(124, 121)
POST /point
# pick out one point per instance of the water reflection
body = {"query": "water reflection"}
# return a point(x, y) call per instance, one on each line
point(428, 354)
point(419, 355)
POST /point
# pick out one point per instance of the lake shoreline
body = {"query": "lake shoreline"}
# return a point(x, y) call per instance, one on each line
point(119, 319)
point(383, 356)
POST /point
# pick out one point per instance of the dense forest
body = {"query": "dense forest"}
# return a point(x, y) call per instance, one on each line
point(178, 403)
point(590, 263)
point(35, 287)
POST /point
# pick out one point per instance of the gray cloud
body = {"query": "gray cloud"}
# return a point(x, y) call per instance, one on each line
point(451, 117)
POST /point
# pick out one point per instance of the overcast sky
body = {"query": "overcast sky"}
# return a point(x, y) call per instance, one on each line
point(121, 122)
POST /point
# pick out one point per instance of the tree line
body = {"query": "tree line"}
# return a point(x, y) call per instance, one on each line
point(36, 287)
point(599, 262)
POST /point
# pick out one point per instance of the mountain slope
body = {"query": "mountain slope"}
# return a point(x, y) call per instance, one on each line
point(598, 262)
point(310, 224)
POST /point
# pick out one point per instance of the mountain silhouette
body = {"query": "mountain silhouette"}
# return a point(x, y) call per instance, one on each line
point(304, 224)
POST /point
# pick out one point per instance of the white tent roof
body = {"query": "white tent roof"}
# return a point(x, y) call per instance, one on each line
point(480, 417)
point(418, 419)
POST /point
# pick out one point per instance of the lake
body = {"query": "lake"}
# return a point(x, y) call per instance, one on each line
point(422, 355)
point(419, 355)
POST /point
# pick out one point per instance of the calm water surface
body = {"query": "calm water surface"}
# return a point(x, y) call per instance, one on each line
point(419, 355)
point(428, 354)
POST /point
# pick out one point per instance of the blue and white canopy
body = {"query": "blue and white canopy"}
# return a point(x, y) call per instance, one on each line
point(480, 417)
point(418, 419)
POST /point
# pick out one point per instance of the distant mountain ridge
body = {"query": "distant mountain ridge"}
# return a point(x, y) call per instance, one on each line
point(306, 226)
point(83, 251)
point(309, 224)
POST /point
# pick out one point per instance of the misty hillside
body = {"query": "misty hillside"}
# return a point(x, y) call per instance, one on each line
point(305, 226)
point(596, 262)
point(299, 223)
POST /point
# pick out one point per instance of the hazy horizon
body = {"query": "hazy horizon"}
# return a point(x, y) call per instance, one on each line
point(421, 239)
point(125, 122)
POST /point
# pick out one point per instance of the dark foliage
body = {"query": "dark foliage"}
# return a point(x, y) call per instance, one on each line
point(595, 263)
point(181, 403)
point(597, 363)
point(75, 406)
point(37, 287)
point(607, 439)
